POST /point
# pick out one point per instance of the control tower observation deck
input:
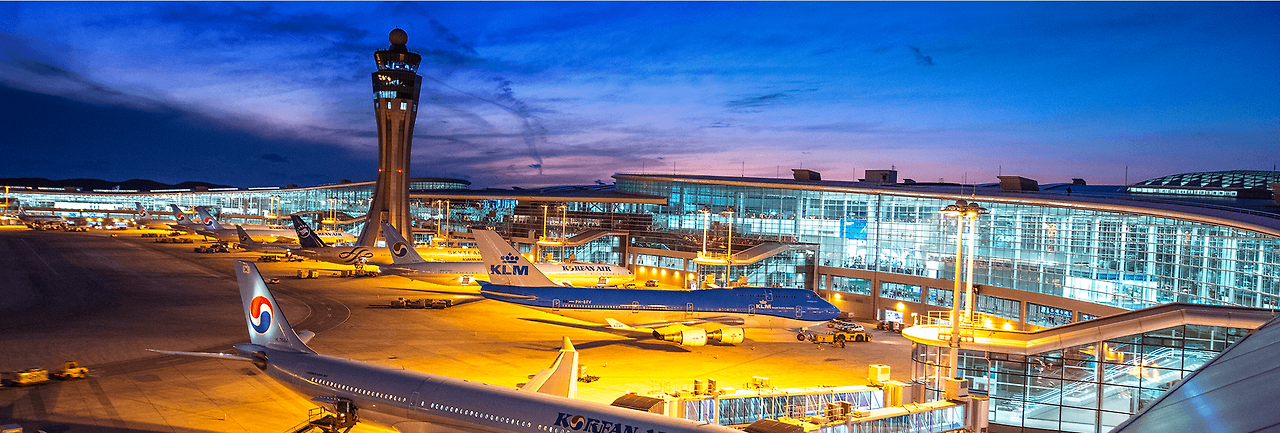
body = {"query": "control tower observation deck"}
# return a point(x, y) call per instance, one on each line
point(396, 87)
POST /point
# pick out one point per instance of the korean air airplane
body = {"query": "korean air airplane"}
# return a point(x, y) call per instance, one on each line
point(144, 220)
point(414, 402)
point(213, 228)
point(671, 315)
point(250, 244)
point(408, 263)
point(183, 222)
point(314, 247)
point(40, 221)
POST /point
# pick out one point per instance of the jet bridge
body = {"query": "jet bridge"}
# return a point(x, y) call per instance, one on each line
point(934, 330)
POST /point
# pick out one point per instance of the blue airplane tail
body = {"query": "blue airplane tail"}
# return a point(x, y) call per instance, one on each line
point(306, 237)
point(265, 318)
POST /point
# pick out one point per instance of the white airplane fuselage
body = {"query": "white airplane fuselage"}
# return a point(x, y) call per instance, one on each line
point(578, 274)
point(410, 401)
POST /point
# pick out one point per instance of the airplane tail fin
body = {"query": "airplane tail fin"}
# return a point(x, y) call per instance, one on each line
point(506, 266)
point(561, 378)
point(265, 318)
point(141, 214)
point(244, 236)
point(306, 237)
point(209, 222)
point(402, 251)
point(178, 214)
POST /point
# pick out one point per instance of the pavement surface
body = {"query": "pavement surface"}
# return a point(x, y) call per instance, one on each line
point(102, 300)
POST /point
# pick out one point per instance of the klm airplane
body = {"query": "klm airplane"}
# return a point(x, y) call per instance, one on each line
point(670, 315)
point(414, 402)
point(314, 247)
point(407, 262)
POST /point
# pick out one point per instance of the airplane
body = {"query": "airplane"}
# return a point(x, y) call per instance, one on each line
point(408, 263)
point(669, 315)
point(314, 247)
point(416, 402)
point(41, 222)
point(211, 227)
point(248, 243)
point(183, 222)
point(144, 220)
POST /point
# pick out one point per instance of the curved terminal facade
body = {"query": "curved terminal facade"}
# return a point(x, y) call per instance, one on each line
point(1042, 258)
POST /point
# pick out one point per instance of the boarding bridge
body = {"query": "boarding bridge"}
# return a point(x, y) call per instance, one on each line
point(886, 406)
point(1103, 380)
point(933, 330)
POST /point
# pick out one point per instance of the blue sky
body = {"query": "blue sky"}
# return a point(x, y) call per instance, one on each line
point(531, 94)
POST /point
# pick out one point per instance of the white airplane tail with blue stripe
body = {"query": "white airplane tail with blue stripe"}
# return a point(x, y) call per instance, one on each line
point(209, 223)
point(265, 319)
point(505, 265)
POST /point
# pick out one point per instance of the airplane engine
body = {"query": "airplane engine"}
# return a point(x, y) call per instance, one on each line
point(686, 337)
point(726, 335)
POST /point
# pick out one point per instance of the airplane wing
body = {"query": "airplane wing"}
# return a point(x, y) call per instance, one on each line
point(227, 356)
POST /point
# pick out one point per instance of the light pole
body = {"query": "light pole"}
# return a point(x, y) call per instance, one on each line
point(728, 256)
point(706, 221)
point(564, 222)
point(961, 210)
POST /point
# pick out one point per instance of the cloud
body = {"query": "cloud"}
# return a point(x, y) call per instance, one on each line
point(751, 104)
point(921, 59)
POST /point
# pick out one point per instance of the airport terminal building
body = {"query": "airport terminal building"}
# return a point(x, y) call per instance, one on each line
point(1045, 257)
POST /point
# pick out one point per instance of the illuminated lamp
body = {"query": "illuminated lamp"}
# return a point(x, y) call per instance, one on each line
point(837, 297)
point(901, 307)
point(1008, 326)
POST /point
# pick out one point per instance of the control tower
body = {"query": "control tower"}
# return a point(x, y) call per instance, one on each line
point(396, 87)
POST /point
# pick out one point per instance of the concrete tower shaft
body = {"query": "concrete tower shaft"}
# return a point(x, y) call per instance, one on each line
point(396, 87)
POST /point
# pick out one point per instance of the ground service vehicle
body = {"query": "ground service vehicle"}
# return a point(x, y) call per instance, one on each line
point(72, 370)
point(836, 338)
point(30, 376)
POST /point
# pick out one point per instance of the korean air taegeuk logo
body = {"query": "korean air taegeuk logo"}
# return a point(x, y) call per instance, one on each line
point(260, 314)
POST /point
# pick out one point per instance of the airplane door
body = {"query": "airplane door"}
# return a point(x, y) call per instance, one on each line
point(768, 296)
point(415, 401)
point(302, 368)
point(751, 311)
point(799, 311)
point(688, 310)
point(555, 304)
point(635, 307)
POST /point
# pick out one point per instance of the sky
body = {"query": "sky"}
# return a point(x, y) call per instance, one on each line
point(532, 94)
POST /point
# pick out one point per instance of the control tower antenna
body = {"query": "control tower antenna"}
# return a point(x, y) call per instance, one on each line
point(396, 87)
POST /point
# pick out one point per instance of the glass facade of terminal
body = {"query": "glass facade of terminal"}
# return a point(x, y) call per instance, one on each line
point(1124, 260)
point(1079, 389)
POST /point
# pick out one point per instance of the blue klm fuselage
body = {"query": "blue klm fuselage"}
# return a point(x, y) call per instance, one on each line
point(754, 306)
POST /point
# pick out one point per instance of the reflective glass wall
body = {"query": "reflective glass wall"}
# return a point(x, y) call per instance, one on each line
point(1088, 388)
point(1117, 259)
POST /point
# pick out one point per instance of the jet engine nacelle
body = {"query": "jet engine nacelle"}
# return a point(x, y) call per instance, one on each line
point(726, 335)
point(685, 337)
